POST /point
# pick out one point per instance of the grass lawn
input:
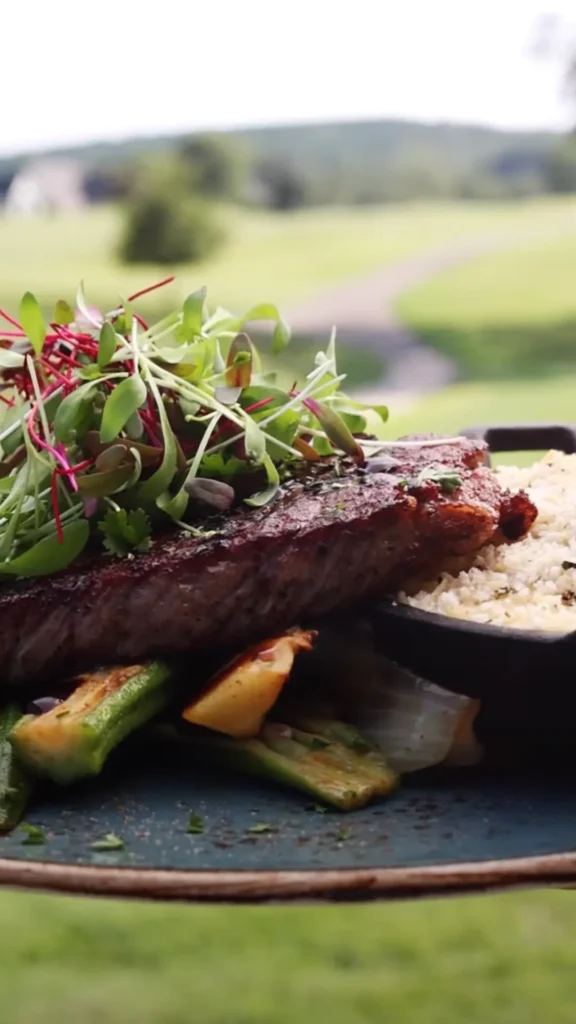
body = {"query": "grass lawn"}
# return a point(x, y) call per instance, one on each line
point(472, 402)
point(487, 960)
point(269, 257)
point(510, 314)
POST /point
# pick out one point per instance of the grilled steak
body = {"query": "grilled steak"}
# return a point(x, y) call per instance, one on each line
point(337, 536)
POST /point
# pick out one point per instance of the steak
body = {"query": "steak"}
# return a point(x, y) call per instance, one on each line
point(338, 535)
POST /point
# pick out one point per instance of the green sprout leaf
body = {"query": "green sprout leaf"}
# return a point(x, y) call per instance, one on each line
point(219, 467)
point(173, 505)
point(63, 313)
point(49, 555)
point(125, 531)
point(106, 344)
point(159, 482)
point(123, 401)
point(193, 314)
point(266, 496)
point(108, 481)
point(74, 413)
point(126, 319)
point(335, 429)
point(255, 441)
point(90, 372)
point(280, 337)
point(195, 824)
point(32, 321)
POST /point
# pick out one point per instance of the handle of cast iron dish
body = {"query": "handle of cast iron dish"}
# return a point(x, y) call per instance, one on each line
point(519, 437)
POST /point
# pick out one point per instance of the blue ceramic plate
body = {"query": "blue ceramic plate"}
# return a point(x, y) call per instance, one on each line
point(440, 833)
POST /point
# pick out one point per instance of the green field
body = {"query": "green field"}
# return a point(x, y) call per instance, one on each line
point(512, 314)
point(274, 257)
point(487, 960)
point(268, 257)
point(473, 403)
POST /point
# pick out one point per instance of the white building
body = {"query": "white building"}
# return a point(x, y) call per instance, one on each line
point(46, 186)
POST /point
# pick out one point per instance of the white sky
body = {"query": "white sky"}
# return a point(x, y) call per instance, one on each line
point(75, 71)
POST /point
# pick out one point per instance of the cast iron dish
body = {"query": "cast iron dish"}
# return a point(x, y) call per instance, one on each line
point(525, 678)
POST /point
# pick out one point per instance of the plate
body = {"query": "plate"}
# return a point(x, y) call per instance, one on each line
point(440, 833)
point(510, 823)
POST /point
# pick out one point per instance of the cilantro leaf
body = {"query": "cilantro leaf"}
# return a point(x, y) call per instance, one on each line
point(219, 468)
point(343, 834)
point(110, 842)
point(125, 531)
point(261, 829)
point(448, 480)
point(195, 824)
point(34, 835)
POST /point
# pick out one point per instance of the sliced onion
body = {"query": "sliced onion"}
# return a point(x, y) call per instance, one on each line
point(465, 749)
point(416, 724)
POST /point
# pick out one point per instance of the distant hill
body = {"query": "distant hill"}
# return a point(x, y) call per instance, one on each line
point(348, 160)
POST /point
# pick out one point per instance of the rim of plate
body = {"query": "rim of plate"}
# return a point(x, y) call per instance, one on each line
point(283, 886)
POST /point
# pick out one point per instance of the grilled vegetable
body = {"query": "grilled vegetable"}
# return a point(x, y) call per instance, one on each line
point(15, 786)
point(415, 722)
point(74, 739)
point(338, 767)
point(237, 699)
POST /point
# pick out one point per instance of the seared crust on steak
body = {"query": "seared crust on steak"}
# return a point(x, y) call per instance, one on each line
point(329, 540)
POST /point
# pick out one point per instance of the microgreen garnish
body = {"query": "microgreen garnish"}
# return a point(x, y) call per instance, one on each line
point(195, 824)
point(261, 829)
point(447, 480)
point(110, 842)
point(125, 531)
point(343, 834)
point(114, 429)
point(33, 836)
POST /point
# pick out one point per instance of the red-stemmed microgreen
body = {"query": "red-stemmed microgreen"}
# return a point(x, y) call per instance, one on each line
point(119, 430)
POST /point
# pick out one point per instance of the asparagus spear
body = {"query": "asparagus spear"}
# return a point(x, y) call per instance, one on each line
point(15, 786)
point(74, 739)
point(345, 772)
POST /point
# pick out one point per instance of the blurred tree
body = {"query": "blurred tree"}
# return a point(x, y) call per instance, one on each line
point(281, 186)
point(215, 166)
point(561, 167)
point(164, 222)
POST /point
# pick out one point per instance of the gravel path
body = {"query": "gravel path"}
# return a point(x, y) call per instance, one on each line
point(363, 310)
